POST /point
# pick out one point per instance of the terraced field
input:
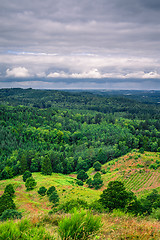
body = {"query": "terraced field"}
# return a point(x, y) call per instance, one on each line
point(136, 171)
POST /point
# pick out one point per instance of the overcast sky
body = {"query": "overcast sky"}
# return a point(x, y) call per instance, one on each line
point(109, 44)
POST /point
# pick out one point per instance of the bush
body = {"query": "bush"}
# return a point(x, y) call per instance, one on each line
point(82, 175)
point(26, 175)
point(54, 198)
point(30, 183)
point(97, 166)
point(103, 171)
point(80, 225)
point(9, 189)
point(51, 190)
point(6, 202)
point(73, 203)
point(156, 214)
point(10, 214)
point(97, 206)
point(42, 191)
point(79, 182)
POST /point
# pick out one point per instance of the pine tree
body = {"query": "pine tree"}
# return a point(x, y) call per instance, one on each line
point(6, 202)
point(23, 164)
point(46, 167)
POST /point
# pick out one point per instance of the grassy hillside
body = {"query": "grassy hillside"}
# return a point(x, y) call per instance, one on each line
point(134, 169)
point(139, 172)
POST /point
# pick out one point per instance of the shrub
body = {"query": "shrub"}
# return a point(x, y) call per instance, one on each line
point(10, 214)
point(9, 189)
point(51, 190)
point(26, 175)
point(80, 225)
point(97, 166)
point(42, 191)
point(79, 182)
point(6, 202)
point(30, 183)
point(73, 203)
point(103, 171)
point(156, 214)
point(153, 166)
point(82, 175)
point(54, 198)
point(97, 206)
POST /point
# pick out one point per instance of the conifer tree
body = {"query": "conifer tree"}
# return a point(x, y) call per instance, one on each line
point(46, 167)
point(23, 163)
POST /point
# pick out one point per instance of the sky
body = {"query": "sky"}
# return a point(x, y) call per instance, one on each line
point(80, 44)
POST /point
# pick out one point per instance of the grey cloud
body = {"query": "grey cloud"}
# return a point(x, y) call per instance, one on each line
point(110, 31)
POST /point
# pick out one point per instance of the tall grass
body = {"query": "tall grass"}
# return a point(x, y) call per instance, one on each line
point(23, 230)
point(80, 225)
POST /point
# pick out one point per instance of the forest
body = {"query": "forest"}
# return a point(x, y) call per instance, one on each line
point(73, 130)
point(79, 164)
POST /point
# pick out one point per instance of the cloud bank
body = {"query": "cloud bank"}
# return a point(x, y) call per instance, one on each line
point(44, 43)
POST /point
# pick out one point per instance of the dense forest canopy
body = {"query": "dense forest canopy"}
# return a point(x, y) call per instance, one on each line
point(72, 130)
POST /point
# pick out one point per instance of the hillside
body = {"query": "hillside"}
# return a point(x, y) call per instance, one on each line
point(62, 134)
point(134, 169)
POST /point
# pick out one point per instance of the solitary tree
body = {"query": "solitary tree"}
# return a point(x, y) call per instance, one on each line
point(6, 202)
point(30, 183)
point(115, 196)
point(42, 191)
point(54, 198)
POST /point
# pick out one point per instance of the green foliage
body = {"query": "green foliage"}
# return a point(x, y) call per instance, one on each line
point(97, 206)
point(26, 175)
point(81, 225)
point(46, 167)
point(103, 171)
point(6, 202)
point(10, 214)
point(42, 191)
point(96, 183)
point(76, 131)
point(79, 182)
point(24, 230)
point(9, 189)
point(23, 163)
point(51, 190)
point(71, 204)
point(156, 214)
point(97, 166)
point(115, 196)
point(82, 175)
point(154, 166)
point(30, 183)
point(54, 198)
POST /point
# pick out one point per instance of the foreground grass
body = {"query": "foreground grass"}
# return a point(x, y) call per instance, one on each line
point(115, 226)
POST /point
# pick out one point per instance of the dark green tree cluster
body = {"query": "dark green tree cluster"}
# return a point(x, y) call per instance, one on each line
point(96, 182)
point(51, 193)
point(116, 197)
point(62, 132)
